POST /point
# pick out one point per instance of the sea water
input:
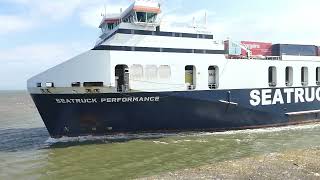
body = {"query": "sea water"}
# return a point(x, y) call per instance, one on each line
point(27, 151)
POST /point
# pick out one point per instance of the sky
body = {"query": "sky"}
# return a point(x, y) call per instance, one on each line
point(38, 34)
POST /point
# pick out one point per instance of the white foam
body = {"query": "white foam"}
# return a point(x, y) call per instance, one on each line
point(265, 130)
point(160, 142)
point(119, 137)
point(127, 137)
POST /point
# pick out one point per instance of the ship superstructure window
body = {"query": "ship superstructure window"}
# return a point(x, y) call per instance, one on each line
point(109, 23)
point(122, 78)
point(289, 76)
point(164, 72)
point(49, 84)
point(141, 16)
point(75, 84)
point(136, 72)
point(93, 84)
point(304, 76)
point(148, 17)
point(272, 76)
point(151, 17)
point(318, 75)
point(213, 77)
point(39, 85)
point(190, 77)
point(151, 72)
point(111, 26)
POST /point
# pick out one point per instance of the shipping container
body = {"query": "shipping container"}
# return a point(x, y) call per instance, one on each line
point(232, 48)
point(258, 48)
point(318, 50)
point(294, 49)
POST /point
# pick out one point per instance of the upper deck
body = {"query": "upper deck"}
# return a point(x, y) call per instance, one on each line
point(134, 42)
point(139, 28)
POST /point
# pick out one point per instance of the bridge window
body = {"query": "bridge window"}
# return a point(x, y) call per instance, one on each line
point(151, 17)
point(304, 76)
point(75, 84)
point(39, 85)
point(49, 84)
point(136, 72)
point(148, 17)
point(141, 16)
point(213, 77)
point(111, 26)
point(190, 77)
point(289, 76)
point(272, 76)
point(151, 72)
point(93, 84)
point(164, 72)
point(318, 76)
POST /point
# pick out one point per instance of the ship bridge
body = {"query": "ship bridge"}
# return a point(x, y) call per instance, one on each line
point(141, 12)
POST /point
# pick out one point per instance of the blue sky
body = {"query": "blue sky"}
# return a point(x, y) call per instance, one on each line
point(38, 34)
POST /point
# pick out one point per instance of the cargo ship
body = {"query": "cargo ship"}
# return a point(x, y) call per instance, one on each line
point(141, 77)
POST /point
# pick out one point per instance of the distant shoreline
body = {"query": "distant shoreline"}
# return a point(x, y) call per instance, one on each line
point(10, 91)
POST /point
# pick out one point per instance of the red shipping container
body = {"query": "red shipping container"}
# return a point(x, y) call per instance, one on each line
point(258, 48)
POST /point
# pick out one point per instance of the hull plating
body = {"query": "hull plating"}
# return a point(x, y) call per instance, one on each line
point(98, 114)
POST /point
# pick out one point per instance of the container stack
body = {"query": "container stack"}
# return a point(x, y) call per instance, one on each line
point(294, 50)
point(258, 48)
point(237, 49)
point(232, 48)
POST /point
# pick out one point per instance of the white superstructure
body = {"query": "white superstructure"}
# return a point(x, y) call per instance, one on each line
point(156, 60)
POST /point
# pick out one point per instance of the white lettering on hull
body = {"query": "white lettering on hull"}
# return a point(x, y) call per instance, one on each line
point(267, 97)
point(108, 100)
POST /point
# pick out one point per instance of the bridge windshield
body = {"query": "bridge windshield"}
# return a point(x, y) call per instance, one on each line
point(147, 17)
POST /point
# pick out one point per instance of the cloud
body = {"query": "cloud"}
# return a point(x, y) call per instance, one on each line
point(92, 16)
point(21, 63)
point(56, 10)
point(179, 19)
point(43, 54)
point(296, 23)
point(12, 24)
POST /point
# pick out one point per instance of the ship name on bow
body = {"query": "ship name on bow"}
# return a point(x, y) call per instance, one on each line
point(267, 97)
point(107, 100)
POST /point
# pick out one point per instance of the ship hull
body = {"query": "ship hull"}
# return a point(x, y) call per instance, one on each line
point(100, 114)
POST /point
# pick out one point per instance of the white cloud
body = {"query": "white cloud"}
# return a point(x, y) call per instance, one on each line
point(55, 10)
point(92, 16)
point(179, 19)
point(37, 13)
point(296, 23)
point(21, 63)
point(44, 55)
point(58, 10)
point(12, 24)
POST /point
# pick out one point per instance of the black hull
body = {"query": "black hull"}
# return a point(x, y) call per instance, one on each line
point(100, 114)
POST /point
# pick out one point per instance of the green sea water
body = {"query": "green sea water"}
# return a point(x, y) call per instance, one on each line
point(27, 152)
